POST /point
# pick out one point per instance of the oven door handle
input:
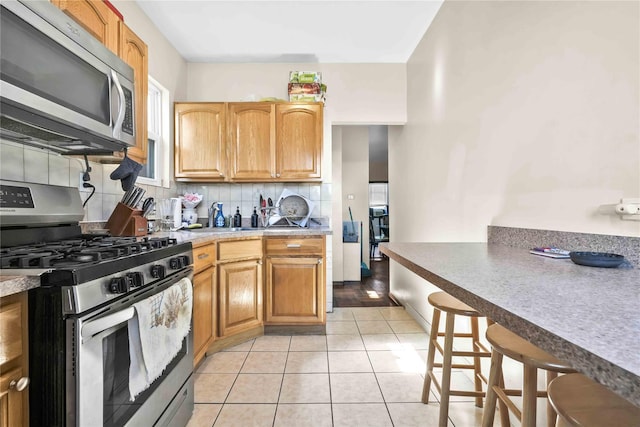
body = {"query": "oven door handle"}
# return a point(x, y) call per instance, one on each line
point(97, 326)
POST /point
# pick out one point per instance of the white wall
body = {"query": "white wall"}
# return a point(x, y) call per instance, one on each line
point(521, 114)
point(356, 93)
point(355, 180)
point(336, 205)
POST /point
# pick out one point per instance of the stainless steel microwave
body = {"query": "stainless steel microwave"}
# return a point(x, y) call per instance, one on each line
point(60, 87)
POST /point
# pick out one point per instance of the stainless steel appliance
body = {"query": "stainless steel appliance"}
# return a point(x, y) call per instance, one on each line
point(78, 336)
point(60, 88)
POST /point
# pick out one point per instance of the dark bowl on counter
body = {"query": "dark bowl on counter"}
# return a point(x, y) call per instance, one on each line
point(596, 259)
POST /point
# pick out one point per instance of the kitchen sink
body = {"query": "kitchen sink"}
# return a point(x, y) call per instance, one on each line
point(221, 229)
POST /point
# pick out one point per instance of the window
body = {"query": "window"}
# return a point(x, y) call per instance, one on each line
point(378, 194)
point(156, 170)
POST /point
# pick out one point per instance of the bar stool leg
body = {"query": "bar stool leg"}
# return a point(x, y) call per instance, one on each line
point(551, 413)
point(477, 371)
point(490, 403)
point(529, 396)
point(435, 324)
point(446, 370)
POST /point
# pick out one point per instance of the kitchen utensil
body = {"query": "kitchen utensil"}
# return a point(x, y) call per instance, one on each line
point(126, 196)
point(596, 259)
point(147, 206)
point(138, 198)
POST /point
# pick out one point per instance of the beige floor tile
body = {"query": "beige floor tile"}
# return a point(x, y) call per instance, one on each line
point(305, 388)
point(340, 314)
point(374, 327)
point(243, 415)
point(223, 363)
point(395, 313)
point(212, 388)
point(419, 341)
point(401, 387)
point(308, 343)
point(306, 362)
point(304, 415)
point(381, 342)
point(342, 328)
point(255, 388)
point(349, 361)
point(265, 362)
point(361, 415)
point(405, 326)
point(355, 388)
point(204, 415)
point(407, 361)
point(271, 343)
point(414, 414)
point(245, 346)
point(344, 342)
point(367, 313)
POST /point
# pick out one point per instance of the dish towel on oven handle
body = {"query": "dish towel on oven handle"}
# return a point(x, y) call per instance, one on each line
point(156, 332)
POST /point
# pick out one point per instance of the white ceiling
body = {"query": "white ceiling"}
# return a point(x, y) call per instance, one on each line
point(292, 31)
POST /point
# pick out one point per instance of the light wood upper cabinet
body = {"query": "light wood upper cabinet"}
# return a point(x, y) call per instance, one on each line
point(251, 141)
point(14, 361)
point(96, 17)
point(134, 52)
point(200, 142)
point(298, 142)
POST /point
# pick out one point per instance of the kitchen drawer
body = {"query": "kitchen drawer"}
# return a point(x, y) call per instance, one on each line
point(204, 257)
point(295, 246)
point(239, 249)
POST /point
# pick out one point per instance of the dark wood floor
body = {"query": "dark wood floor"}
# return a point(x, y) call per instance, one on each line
point(371, 291)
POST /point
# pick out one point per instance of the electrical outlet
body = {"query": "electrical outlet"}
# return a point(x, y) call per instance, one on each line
point(82, 181)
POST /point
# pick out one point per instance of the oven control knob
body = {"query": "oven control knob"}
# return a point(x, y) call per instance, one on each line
point(157, 271)
point(179, 262)
point(119, 285)
point(136, 279)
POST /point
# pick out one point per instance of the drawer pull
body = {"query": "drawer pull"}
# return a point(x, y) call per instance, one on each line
point(20, 384)
point(293, 245)
point(203, 256)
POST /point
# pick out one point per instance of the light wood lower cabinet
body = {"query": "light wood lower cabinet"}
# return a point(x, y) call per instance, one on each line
point(14, 361)
point(204, 300)
point(295, 288)
point(239, 286)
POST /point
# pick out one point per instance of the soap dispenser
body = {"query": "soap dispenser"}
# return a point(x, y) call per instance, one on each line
point(237, 218)
point(220, 216)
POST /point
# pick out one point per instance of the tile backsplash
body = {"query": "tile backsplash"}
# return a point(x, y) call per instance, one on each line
point(24, 163)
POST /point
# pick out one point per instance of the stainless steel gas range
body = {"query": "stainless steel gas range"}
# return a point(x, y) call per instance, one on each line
point(79, 318)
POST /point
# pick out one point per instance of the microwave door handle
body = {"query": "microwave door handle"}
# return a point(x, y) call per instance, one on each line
point(97, 326)
point(117, 126)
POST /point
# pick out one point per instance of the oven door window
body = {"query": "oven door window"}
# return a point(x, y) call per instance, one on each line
point(117, 406)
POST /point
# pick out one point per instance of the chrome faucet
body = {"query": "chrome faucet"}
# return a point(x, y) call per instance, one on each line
point(213, 209)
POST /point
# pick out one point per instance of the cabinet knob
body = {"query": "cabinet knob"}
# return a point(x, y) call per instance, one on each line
point(277, 175)
point(320, 261)
point(259, 262)
point(20, 384)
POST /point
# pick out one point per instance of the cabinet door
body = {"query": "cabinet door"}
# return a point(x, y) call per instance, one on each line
point(95, 17)
point(200, 153)
point(134, 52)
point(298, 142)
point(251, 141)
point(14, 361)
point(204, 321)
point(240, 300)
point(295, 291)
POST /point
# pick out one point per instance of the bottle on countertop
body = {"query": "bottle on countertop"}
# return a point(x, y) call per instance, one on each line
point(219, 216)
point(237, 218)
point(254, 218)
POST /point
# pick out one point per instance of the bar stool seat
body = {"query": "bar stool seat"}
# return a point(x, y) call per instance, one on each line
point(582, 402)
point(443, 302)
point(505, 342)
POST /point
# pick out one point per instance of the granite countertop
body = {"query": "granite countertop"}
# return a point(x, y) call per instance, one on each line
point(587, 316)
point(14, 281)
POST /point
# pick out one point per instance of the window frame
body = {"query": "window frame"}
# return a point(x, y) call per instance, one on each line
point(158, 102)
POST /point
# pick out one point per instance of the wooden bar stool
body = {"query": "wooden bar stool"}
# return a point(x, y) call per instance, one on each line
point(441, 301)
point(506, 343)
point(581, 402)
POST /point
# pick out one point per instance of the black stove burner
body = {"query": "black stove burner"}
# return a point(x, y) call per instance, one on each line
point(84, 250)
